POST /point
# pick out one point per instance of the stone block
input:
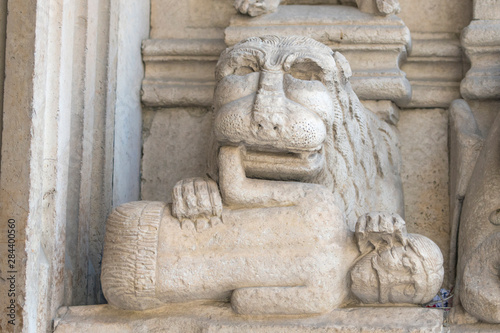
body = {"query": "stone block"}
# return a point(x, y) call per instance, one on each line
point(180, 72)
point(481, 41)
point(424, 150)
point(434, 69)
point(449, 16)
point(218, 317)
point(486, 10)
point(170, 138)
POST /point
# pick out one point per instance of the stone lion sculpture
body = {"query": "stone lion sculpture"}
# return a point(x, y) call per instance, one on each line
point(290, 221)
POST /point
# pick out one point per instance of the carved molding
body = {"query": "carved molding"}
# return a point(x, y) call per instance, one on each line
point(434, 69)
point(374, 46)
point(180, 72)
point(481, 41)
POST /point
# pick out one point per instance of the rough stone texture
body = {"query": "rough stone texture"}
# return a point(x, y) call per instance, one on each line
point(434, 69)
point(424, 150)
point(466, 142)
point(376, 7)
point(479, 235)
point(481, 42)
point(3, 26)
point(284, 110)
point(180, 72)
point(486, 10)
point(193, 19)
point(132, 26)
point(15, 181)
point(57, 152)
point(373, 46)
point(436, 16)
point(218, 317)
point(184, 136)
point(435, 65)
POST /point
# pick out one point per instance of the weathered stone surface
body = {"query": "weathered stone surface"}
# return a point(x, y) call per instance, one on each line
point(486, 10)
point(218, 317)
point(434, 69)
point(180, 72)
point(374, 46)
point(479, 235)
point(466, 142)
point(424, 150)
point(291, 143)
point(261, 7)
point(16, 191)
point(481, 42)
point(184, 136)
point(433, 16)
point(192, 19)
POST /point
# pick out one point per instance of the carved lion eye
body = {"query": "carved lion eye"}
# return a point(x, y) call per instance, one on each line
point(243, 70)
point(307, 71)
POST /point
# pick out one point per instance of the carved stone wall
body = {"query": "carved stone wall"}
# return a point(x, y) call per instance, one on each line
point(71, 101)
point(72, 129)
point(422, 77)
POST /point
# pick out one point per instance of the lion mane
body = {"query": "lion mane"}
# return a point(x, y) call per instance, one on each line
point(362, 153)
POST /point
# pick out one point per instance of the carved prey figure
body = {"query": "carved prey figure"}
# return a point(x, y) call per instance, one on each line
point(297, 159)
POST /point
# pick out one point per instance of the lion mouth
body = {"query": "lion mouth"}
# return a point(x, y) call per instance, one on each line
point(291, 165)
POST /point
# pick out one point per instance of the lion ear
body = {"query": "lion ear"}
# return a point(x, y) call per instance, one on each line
point(343, 66)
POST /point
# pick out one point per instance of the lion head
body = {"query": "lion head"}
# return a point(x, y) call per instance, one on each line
point(288, 99)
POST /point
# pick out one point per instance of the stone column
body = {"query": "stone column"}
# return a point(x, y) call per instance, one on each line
point(72, 78)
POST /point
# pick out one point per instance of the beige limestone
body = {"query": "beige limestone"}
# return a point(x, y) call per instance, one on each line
point(3, 25)
point(15, 181)
point(434, 69)
point(284, 110)
point(479, 235)
point(482, 46)
point(374, 46)
point(192, 19)
point(218, 317)
point(180, 72)
point(57, 149)
point(261, 7)
point(486, 10)
point(185, 136)
point(424, 146)
point(466, 141)
point(433, 16)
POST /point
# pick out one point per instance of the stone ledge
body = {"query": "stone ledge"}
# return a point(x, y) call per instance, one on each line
point(218, 317)
point(180, 72)
point(434, 69)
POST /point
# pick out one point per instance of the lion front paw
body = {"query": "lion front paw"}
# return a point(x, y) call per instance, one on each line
point(197, 203)
point(380, 230)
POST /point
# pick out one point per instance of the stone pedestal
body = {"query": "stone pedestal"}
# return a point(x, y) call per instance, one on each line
point(219, 317)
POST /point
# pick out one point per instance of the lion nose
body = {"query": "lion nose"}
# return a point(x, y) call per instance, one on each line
point(268, 125)
point(268, 118)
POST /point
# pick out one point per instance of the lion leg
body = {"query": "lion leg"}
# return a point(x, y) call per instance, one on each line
point(282, 300)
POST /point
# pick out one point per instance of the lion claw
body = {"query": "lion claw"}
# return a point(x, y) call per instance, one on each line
point(380, 230)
